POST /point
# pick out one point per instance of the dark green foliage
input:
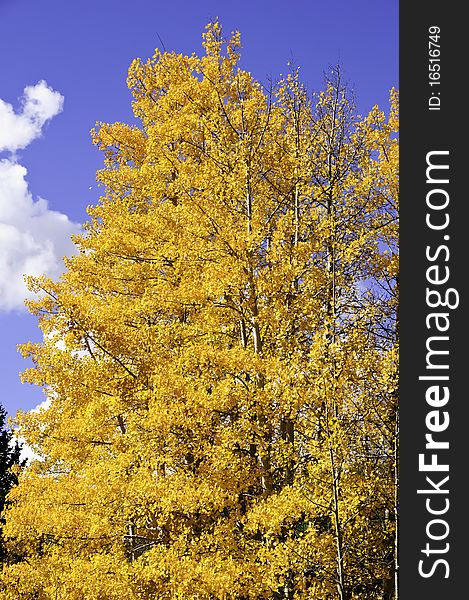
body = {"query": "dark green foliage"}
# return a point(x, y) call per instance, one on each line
point(9, 456)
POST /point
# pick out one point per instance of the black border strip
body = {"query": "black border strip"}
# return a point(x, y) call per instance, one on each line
point(434, 251)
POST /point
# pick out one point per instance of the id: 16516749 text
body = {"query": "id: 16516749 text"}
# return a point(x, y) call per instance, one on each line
point(434, 67)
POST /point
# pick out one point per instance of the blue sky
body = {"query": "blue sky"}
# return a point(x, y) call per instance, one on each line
point(63, 67)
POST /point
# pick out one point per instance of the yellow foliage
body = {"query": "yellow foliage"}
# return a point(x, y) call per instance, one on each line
point(220, 356)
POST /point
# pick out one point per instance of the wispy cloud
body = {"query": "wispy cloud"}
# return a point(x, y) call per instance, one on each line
point(39, 104)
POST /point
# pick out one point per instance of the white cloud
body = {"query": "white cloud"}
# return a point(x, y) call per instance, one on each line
point(44, 405)
point(33, 238)
point(38, 105)
point(27, 452)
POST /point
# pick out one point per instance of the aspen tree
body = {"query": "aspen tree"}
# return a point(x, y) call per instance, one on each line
point(220, 355)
